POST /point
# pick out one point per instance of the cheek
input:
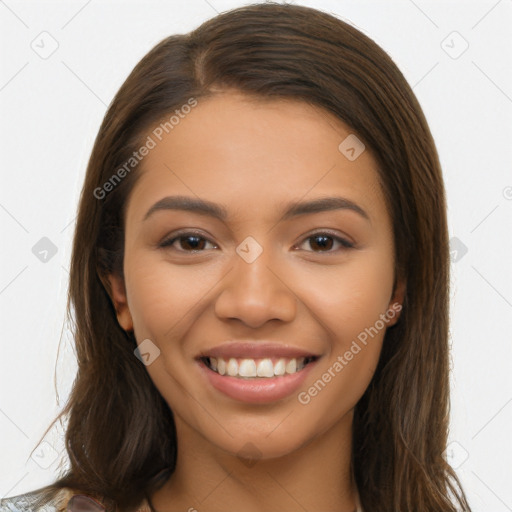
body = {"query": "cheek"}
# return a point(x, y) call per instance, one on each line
point(350, 303)
point(352, 297)
point(160, 294)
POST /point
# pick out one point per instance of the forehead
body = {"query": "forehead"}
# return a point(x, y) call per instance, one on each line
point(253, 155)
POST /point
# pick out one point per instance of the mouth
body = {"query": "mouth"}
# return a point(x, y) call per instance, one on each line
point(256, 372)
point(256, 381)
point(257, 368)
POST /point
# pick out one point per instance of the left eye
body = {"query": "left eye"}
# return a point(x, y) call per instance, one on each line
point(325, 241)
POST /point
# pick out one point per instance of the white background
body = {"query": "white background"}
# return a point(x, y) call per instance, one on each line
point(52, 108)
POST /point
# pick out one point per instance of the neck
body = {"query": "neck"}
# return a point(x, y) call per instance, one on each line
point(315, 476)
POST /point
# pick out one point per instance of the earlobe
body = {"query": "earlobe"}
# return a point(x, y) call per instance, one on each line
point(396, 303)
point(117, 291)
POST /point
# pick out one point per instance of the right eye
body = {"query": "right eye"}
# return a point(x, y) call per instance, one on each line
point(189, 242)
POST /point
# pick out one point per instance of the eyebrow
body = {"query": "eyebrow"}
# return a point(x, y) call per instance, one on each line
point(204, 207)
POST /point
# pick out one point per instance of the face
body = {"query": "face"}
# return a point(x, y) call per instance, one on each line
point(260, 267)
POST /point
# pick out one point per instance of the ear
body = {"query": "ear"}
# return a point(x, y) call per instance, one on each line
point(115, 287)
point(397, 301)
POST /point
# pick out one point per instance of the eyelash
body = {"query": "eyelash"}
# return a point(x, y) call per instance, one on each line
point(170, 241)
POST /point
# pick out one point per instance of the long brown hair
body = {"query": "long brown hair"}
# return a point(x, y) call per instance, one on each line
point(120, 437)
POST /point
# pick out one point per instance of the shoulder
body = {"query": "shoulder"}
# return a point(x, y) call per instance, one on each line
point(65, 500)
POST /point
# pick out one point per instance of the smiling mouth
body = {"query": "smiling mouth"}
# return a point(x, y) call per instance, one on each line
point(249, 368)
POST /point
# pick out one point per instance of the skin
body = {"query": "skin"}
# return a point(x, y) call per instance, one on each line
point(254, 157)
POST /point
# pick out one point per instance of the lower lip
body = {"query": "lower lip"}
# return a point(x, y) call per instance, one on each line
point(257, 390)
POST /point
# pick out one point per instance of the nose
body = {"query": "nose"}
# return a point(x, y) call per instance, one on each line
point(256, 292)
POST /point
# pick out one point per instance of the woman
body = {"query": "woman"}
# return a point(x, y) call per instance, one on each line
point(260, 282)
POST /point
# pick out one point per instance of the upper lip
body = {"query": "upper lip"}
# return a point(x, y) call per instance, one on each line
point(255, 350)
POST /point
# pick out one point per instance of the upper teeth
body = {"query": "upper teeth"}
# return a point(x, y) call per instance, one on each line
point(256, 367)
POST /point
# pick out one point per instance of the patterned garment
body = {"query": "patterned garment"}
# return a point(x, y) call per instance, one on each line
point(65, 501)
point(68, 501)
